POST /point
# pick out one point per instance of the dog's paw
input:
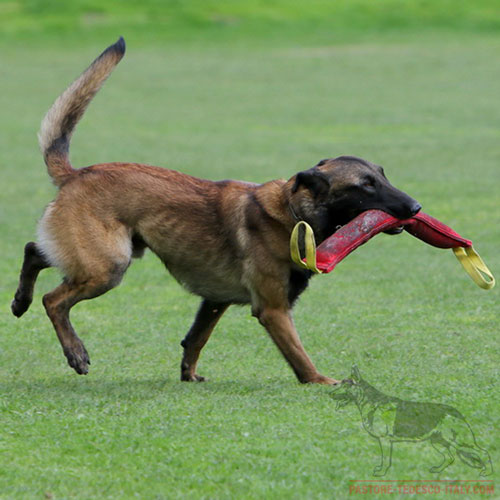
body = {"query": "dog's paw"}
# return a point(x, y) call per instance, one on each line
point(186, 377)
point(321, 379)
point(486, 471)
point(380, 471)
point(19, 306)
point(436, 469)
point(78, 359)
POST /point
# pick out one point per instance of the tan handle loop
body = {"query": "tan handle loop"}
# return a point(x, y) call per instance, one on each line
point(475, 267)
point(310, 247)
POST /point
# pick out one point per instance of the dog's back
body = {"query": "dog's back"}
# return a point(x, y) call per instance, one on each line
point(416, 420)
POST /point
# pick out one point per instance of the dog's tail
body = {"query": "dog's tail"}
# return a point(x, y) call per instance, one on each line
point(59, 122)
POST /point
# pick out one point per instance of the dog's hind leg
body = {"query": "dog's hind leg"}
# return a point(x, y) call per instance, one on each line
point(444, 448)
point(93, 254)
point(93, 263)
point(33, 263)
point(59, 302)
point(207, 317)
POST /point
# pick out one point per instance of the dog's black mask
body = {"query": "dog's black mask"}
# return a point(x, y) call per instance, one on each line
point(346, 186)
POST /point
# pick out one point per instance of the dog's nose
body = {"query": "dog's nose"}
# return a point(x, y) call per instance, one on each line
point(415, 209)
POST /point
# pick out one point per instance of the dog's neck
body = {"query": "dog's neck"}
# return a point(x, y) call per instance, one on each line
point(295, 217)
point(299, 213)
point(274, 195)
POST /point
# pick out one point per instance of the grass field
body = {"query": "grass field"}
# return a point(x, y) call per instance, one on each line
point(423, 105)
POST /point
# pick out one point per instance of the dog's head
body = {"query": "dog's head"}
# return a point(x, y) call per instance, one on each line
point(336, 190)
point(350, 389)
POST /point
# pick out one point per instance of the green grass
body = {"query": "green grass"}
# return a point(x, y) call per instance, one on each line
point(426, 107)
point(250, 21)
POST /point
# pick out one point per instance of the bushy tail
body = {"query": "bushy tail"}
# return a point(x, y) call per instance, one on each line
point(471, 458)
point(59, 122)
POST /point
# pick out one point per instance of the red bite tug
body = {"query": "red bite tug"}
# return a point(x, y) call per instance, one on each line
point(366, 225)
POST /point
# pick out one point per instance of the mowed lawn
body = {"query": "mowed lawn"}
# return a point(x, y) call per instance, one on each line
point(417, 327)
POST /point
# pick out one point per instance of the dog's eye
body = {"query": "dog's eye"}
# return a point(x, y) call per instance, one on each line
point(369, 184)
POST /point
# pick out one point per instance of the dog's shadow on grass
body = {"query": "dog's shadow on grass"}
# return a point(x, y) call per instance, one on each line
point(62, 388)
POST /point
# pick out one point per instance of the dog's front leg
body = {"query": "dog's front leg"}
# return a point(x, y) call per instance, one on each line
point(206, 318)
point(279, 324)
point(385, 457)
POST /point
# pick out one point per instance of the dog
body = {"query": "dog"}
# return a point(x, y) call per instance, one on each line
point(392, 420)
point(226, 241)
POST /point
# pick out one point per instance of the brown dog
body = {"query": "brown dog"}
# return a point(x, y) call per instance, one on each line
point(227, 241)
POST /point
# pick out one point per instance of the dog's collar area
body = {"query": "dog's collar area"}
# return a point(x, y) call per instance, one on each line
point(296, 218)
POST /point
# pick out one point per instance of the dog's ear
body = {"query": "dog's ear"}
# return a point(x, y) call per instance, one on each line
point(355, 374)
point(312, 179)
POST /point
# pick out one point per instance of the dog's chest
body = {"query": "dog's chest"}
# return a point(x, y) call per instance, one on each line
point(214, 282)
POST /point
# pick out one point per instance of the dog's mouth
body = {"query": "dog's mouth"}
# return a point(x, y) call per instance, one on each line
point(395, 230)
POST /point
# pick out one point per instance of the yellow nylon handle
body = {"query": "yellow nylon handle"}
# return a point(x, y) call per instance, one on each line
point(468, 257)
point(475, 267)
point(310, 246)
